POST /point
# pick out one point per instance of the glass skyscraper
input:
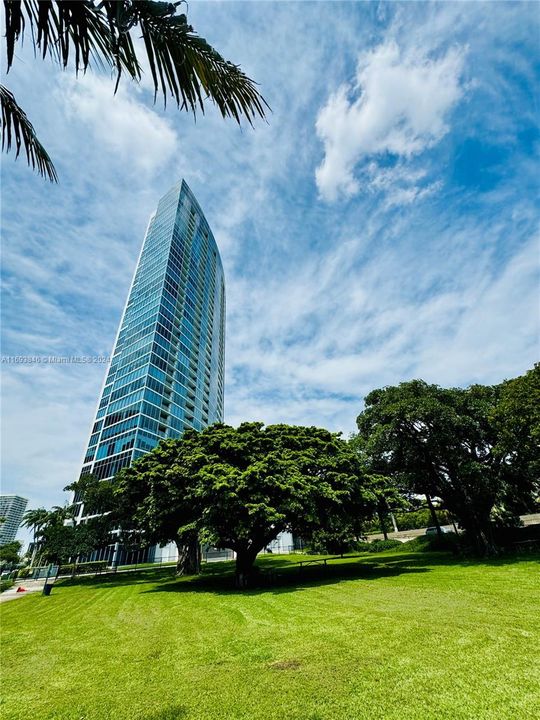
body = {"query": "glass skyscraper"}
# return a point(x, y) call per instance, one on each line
point(167, 367)
point(12, 509)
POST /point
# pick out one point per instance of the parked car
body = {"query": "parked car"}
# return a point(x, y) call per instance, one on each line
point(433, 530)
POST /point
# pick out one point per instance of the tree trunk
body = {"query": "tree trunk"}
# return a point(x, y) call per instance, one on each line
point(34, 551)
point(74, 568)
point(189, 556)
point(245, 558)
point(382, 522)
point(434, 515)
point(484, 539)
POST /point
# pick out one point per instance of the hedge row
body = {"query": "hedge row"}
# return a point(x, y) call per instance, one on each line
point(83, 568)
point(378, 546)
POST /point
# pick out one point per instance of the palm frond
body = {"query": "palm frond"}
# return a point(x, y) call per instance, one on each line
point(17, 128)
point(182, 63)
point(186, 66)
point(70, 29)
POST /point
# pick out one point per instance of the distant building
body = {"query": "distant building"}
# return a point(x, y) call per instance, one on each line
point(12, 509)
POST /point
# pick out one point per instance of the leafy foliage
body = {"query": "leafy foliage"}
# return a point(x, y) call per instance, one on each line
point(155, 503)
point(444, 443)
point(377, 546)
point(86, 568)
point(57, 537)
point(240, 487)
point(516, 418)
point(257, 482)
point(98, 495)
point(434, 543)
point(10, 553)
point(412, 520)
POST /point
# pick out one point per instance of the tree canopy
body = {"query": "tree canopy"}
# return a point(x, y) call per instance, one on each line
point(445, 443)
point(475, 449)
point(10, 553)
point(240, 487)
point(516, 419)
point(155, 504)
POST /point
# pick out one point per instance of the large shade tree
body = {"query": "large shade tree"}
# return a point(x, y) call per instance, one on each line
point(440, 442)
point(85, 33)
point(240, 487)
point(259, 481)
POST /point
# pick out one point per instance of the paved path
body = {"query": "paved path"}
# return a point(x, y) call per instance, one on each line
point(405, 535)
point(30, 586)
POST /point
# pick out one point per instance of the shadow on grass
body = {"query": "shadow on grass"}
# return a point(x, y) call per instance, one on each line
point(287, 578)
point(173, 712)
point(281, 574)
point(135, 577)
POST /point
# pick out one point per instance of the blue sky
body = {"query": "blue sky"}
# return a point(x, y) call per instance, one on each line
point(381, 226)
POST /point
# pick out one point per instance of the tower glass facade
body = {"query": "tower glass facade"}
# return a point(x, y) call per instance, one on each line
point(167, 368)
point(12, 509)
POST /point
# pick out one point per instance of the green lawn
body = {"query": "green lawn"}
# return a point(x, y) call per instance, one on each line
point(379, 637)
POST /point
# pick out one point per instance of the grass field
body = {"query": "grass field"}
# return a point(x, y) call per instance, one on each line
point(394, 636)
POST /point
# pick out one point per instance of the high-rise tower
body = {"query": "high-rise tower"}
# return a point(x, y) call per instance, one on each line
point(167, 367)
point(12, 509)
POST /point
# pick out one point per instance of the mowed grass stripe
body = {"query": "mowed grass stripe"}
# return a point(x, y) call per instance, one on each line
point(410, 637)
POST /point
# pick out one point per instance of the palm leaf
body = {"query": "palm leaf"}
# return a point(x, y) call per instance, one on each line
point(182, 64)
point(69, 29)
point(17, 128)
point(187, 67)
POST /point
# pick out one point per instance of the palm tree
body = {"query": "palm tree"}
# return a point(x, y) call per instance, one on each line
point(62, 513)
point(36, 519)
point(182, 64)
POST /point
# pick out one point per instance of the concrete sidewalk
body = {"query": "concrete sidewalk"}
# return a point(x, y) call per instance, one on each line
point(30, 586)
point(404, 535)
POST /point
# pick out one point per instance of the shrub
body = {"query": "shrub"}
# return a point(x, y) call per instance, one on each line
point(420, 519)
point(430, 543)
point(507, 537)
point(378, 546)
point(382, 545)
point(83, 568)
point(92, 567)
point(65, 569)
point(5, 585)
point(24, 572)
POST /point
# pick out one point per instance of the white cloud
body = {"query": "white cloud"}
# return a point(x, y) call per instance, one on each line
point(399, 106)
point(133, 133)
point(51, 410)
point(307, 346)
